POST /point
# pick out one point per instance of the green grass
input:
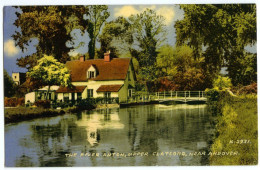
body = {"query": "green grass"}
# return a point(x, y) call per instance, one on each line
point(237, 121)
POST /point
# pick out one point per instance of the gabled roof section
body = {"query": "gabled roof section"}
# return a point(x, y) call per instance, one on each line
point(73, 89)
point(116, 69)
point(109, 88)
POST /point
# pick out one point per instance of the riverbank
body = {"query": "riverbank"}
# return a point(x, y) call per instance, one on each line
point(18, 114)
point(236, 131)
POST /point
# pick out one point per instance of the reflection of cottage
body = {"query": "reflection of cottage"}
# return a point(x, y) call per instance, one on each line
point(19, 78)
point(95, 122)
point(99, 78)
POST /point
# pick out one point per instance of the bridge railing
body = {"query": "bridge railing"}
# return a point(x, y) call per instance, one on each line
point(180, 94)
point(138, 97)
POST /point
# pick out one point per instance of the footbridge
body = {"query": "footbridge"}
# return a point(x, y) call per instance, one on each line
point(181, 96)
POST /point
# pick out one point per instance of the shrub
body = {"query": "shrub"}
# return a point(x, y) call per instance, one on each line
point(43, 103)
point(10, 102)
point(86, 104)
point(20, 101)
point(212, 94)
point(250, 89)
point(13, 102)
point(222, 83)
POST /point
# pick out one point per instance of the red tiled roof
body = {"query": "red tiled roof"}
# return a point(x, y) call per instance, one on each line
point(116, 69)
point(73, 89)
point(109, 88)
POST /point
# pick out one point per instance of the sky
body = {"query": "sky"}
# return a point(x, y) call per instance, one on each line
point(171, 13)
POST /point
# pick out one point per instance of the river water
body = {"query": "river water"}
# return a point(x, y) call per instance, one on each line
point(135, 136)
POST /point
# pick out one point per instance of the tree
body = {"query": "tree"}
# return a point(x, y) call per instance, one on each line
point(117, 37)
point(222, 83)
point(98, 14)
point(218, 32)
point(51, 26)
point(9, 85)
point(148, 33)
point(171, 60)
point(50, 72)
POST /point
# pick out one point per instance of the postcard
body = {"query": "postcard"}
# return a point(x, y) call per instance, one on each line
point(130, 85)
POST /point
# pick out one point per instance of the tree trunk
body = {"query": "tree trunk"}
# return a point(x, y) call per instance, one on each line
point(46, 97)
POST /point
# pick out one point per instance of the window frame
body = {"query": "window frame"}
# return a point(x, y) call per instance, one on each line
point(90, 93)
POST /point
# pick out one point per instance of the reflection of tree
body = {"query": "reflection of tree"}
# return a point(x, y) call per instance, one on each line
point(24, 161)
point(53, 139)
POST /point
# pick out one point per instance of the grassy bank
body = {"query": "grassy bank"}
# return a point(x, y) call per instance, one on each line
point(236, 132)
point(18, 114)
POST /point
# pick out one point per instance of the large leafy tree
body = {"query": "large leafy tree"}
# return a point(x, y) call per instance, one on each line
point(50, 72)
point(148, 30)
point(219, 33)
point(98, 14)
point(116, 36)
point(51, 26)
point(148, 34)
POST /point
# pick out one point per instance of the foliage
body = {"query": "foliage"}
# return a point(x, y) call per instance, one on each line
point(9, 85)
point(13, 101)
point(238, 122)
point(43, 103)
point(50, 72)
point(219, 32)
point(162, 84)
point(222, 83)
point(249, 89)
point(192, 79)
point(149, 32)
point(243, 70)
point(51, 26)
point(213, 94)
point(116, 36)
point(98, 14)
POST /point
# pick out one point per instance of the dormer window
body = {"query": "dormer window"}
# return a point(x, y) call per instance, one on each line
point(92, 72)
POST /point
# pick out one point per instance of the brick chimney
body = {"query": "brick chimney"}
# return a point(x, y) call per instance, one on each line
point(82, 58)
point(107, 57)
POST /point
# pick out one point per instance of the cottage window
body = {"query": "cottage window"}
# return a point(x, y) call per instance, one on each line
point(90, 93)
point(79, 96)
point(66, 96)
point(91, 74)
point(107, 94)
point(39, 96)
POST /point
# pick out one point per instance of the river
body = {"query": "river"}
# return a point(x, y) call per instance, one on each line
point(135, 136)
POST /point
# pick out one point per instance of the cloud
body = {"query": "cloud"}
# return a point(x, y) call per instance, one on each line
point(73, 53)
point(126, 11)
point(10, 49)
point(166, 11)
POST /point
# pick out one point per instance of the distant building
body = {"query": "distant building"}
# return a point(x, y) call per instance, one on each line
point(104, 78)
point(19, 78)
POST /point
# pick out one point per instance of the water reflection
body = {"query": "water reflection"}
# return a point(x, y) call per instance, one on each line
point(99, 120)
point(153, 129)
